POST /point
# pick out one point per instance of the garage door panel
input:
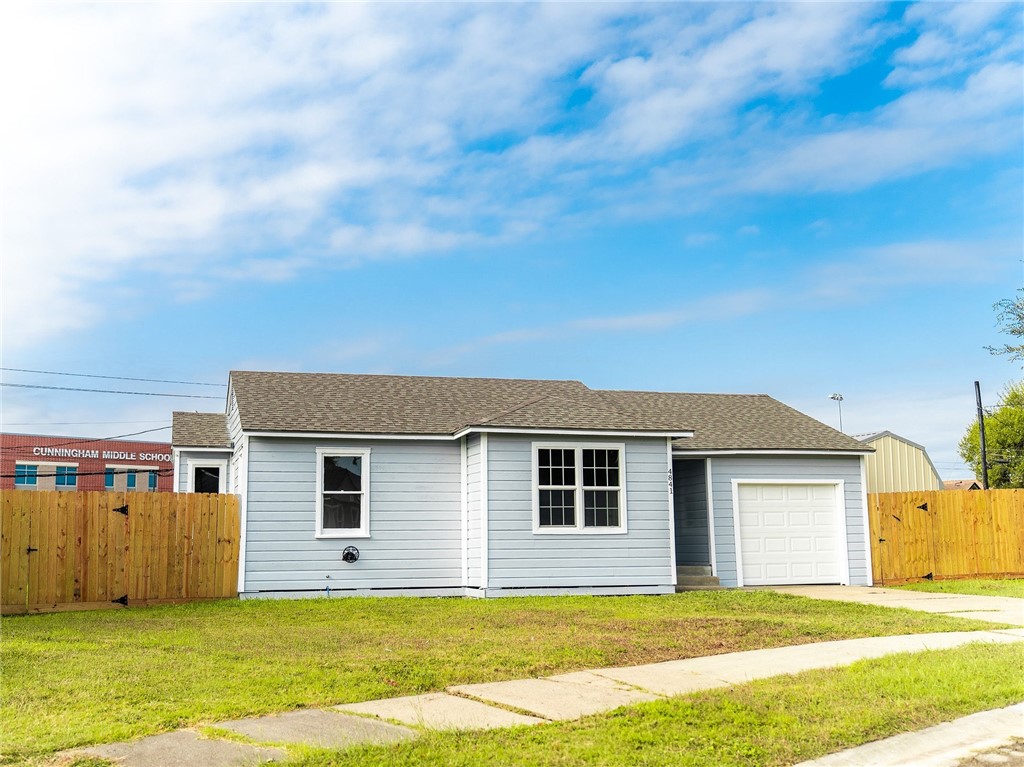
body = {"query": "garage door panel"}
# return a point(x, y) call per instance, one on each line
point(789, 533)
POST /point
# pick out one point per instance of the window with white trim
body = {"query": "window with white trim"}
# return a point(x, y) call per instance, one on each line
point(343, 493)
point(578, 489)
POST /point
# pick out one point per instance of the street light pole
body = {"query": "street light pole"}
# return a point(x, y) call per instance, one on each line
point(839, 401)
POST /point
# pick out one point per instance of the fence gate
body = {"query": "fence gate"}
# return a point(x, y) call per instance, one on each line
point(81, 550)
point(946, 534)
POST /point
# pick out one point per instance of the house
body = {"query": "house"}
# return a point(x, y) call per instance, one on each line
point(898, 465)
point(363, 484)
point(961, 484)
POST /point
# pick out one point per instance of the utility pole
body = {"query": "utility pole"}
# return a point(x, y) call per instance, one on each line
point(981, 436)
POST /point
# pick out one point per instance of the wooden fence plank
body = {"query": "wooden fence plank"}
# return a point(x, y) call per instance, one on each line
point(962, 534)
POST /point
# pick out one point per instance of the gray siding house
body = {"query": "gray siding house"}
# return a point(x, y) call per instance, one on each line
point(359, 484)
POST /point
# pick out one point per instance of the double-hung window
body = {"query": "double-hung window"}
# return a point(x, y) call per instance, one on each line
point(343, 493)
point(579, 488)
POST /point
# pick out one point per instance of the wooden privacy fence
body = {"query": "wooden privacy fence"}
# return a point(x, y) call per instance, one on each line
point(946, 534)
point(82, 550)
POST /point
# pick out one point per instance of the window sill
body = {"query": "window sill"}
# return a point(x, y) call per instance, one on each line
point(580, 531)
point(340, 536)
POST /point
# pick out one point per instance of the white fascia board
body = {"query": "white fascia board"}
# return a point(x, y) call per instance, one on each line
point(575, 432)
point(347, 435)
point(465, 432)
point(183, 449)
point(709, 453)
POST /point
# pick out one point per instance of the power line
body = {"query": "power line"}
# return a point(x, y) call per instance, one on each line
point(112, 391)
point(76, 423)
point(83, 440)
point(161, 472)
point(111, 378)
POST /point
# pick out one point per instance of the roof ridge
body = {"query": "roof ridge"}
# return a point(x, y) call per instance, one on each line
point(681, 393)
point(415, 377)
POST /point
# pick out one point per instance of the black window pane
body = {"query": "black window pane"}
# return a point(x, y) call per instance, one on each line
point(341, 511)
point(601, 508)
point(206, 479)
point(569, 476)
point(544, 476)
point(557, 508)
point(588, 476)
point(613, 478)
point(343, 472)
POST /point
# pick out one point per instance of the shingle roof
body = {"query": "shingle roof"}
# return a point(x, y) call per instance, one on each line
point(423, 405)
point(746, 422)
point(190, 429)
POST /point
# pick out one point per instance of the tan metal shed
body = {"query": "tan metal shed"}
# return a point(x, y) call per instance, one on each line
point(898, 465)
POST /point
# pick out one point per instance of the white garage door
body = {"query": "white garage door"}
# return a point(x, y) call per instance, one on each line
point(789, 534)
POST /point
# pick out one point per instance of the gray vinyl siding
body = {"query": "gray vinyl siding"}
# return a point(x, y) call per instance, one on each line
point(198, 456)
point(796, 468)
point(474, 536)
point(689, 483)
point(518, 558)
point(415, 508)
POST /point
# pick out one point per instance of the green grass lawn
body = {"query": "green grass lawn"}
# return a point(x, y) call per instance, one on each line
point(778, 721)
point(1013, 587)
point(76, 678)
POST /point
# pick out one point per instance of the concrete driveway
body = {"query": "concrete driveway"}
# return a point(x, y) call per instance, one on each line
point(995, 609)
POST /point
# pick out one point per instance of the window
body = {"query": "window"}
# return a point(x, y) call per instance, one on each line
point(152, 480)
point(67, 476)
point(207, 475)
point(108, 479)
point(25, 476)
point(579, 489)
point(130, 479)
point(343, 485)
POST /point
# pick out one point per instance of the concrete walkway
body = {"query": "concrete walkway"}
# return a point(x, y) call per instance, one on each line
point(995, 609)
point(504, 704)
point(985, 738)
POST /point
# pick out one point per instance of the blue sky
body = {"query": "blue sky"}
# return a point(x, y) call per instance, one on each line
point(793, 199)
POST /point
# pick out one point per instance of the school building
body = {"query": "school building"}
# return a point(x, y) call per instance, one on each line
point(36, 462)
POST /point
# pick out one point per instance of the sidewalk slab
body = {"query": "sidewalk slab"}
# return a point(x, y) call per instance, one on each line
point(944, 745)
point(327, 729)
point(440, 711)
point(183, 748)
point(556, 700)
point(995, 609)
point(678, 677)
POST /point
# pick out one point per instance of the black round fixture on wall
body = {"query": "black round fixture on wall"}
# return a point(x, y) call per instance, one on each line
point(350, 554)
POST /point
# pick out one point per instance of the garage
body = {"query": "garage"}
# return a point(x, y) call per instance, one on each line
point(790, 533)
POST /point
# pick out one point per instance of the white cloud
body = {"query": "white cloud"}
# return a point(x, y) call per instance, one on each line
point(201, 140)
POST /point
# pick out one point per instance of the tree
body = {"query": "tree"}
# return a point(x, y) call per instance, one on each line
point(1010, 314)
point(1004, 441)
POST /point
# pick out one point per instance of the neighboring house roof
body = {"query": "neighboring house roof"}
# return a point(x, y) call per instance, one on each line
point(961, 484)
point(422, 405)
point(190, 429)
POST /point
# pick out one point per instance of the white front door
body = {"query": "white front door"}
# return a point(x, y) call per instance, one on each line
point(789, 533)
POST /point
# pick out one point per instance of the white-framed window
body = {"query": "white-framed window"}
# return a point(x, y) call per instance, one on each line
point(579, 488)
point(207, 475)
point(342, 493)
